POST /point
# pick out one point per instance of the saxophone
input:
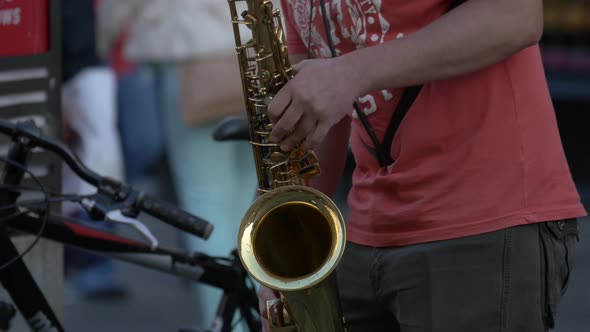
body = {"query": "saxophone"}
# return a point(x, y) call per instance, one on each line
point(293, 236)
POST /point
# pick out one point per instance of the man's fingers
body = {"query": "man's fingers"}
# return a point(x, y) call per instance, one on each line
point(262, 305)
point(265, 294)
point(279, 104)
point(316, 137)
point(265, 325)
point(262, 308)
point(298, 66)
point(286, 124)
point(305, 125)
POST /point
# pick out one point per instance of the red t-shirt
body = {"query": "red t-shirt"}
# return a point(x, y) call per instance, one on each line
point(474, 154)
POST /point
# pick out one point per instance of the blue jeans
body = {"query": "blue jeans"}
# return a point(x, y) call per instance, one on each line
point(213, 180)
point(140, 122)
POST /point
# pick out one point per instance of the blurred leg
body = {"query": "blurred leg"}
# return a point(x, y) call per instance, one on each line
point(214, 180)
point(89, 109)
point(140, 122)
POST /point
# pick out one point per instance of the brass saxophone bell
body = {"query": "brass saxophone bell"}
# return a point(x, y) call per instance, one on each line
point(292, 237)
point(291, 240)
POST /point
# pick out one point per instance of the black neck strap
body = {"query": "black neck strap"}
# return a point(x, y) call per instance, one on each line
point(383, 149)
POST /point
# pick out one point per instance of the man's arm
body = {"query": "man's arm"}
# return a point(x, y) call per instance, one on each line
point(331, 152)
point(470, 37)
point(475, 35)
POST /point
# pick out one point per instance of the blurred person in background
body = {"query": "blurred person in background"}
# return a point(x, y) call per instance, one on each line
point(189, 47)
point(139, 118)
point(89, 116)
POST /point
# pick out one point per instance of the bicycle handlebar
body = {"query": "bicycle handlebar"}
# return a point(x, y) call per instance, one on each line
point(120, 195)
point(175, 216)
point(33, 133)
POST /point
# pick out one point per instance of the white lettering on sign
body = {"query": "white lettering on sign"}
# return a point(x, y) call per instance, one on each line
point(10, 16)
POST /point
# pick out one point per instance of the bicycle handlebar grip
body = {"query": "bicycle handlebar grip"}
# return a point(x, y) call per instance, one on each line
point(176, 217)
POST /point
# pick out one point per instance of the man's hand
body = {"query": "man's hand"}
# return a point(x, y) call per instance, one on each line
point(317, 98)
point(265, 294)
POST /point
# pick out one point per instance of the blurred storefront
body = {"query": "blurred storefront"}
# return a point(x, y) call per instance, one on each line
point(566, 54)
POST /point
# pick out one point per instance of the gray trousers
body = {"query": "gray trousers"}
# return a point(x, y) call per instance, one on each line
point(509, 280)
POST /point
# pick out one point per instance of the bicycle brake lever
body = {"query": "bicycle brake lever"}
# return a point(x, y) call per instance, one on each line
point(117, 217)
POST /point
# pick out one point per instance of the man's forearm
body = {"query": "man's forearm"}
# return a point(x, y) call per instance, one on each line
point(474, 35)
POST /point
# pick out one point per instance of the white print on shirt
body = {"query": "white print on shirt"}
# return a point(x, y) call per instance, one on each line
point(354, 17)
point(358, 22)
point(368, 101)
point(10, 16)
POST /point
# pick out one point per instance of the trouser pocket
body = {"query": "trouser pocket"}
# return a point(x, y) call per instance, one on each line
point(558, 243)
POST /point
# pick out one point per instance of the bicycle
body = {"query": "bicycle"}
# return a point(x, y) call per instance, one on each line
point(115, 202)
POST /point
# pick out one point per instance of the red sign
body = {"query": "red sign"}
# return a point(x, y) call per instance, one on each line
point(24, 27)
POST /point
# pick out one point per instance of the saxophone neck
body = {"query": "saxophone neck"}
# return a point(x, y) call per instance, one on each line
point(269, 36)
